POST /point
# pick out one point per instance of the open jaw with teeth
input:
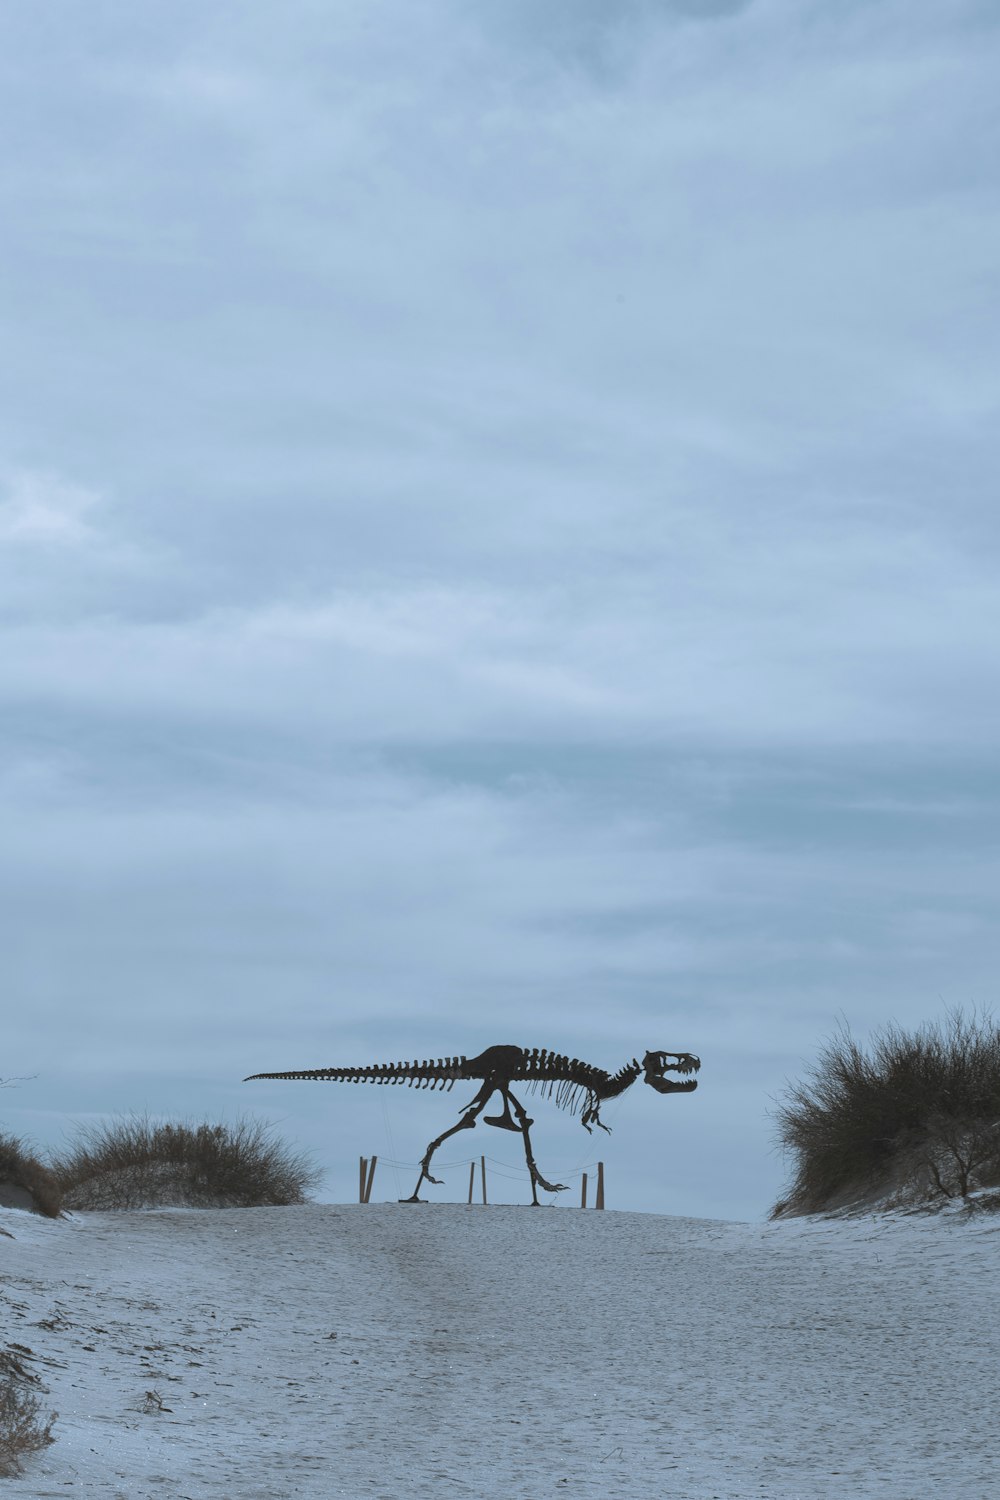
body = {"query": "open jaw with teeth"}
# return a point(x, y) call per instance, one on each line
point(657, 1064)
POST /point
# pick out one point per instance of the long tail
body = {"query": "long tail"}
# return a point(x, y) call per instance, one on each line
point(443, 1073)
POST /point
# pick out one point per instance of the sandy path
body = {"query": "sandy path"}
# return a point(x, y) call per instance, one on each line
point(443, 1350)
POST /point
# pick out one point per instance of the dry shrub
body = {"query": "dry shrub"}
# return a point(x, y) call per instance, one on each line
point(918, 1112)
point(22, 1431)
point(132, 1163)
point(19, 1166)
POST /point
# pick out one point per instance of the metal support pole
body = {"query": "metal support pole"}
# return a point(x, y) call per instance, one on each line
point(472, 1178)
point(583, 1192)
point(482, 1168)
point(364, 1177)
point(600, 1185)
point(371, 1179)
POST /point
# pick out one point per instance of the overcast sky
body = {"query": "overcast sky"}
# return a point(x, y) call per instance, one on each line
point(498, 543)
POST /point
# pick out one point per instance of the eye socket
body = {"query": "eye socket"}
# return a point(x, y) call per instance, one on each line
point(683, 1062)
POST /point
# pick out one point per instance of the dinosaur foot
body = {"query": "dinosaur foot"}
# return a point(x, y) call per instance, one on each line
point(550, 1187)
point(414, 1199)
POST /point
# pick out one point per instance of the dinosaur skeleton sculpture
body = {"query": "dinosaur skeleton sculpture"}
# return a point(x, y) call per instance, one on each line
point(576, 1085)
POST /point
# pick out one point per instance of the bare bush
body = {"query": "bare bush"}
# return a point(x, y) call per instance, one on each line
point(21, 1168)
point(917, 1108)
point(132, 1163)
point(961, 1153)
point(22, 1431)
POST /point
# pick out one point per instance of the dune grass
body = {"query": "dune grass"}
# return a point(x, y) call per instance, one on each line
point(22, 1430)
point(917, 1112)
point(131, 1162)
point(20, 1166)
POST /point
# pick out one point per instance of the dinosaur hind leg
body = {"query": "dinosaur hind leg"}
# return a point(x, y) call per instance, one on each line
point(537, 1180)
point(467, 1122)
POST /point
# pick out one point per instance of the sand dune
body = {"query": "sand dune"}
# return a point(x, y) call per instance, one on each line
point(447, 1350)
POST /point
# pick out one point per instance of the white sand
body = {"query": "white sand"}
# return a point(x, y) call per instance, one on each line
point(507, 1352)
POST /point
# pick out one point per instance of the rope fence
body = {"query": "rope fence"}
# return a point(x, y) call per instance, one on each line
point(521, 1172)
point(505, 1170)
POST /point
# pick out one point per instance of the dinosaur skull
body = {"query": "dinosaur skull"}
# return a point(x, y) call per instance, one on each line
point(658, 1063)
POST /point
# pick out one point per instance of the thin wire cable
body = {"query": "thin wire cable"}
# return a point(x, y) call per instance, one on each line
point(524, 1171)
point(409, 1165)
point(501, 1168)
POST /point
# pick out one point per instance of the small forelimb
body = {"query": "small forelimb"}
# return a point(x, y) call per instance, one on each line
point(592, 1116)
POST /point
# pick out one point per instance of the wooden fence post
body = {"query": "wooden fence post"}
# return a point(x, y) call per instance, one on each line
point(482, 1168)
point(371, 1179)
point(364, 1176)
point(583, 1192)
point(472, 1178)
point(600, 1185)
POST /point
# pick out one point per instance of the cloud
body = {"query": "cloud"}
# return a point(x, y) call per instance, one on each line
point(43, 509)
point(730, 635)
point(500, 533)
